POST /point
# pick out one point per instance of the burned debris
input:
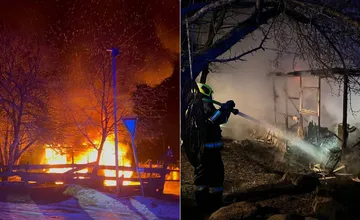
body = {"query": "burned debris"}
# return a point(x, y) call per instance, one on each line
point(322, 149)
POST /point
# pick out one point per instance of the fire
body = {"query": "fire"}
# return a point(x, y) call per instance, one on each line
point(53, 157)
point(107, 158)
point(175, 175)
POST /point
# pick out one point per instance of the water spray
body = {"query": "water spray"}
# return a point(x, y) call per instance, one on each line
point(306, 147)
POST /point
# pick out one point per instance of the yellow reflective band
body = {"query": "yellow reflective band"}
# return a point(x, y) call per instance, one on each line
point(201, 85)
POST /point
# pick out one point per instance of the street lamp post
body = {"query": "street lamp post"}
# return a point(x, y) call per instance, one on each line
point(114, 54)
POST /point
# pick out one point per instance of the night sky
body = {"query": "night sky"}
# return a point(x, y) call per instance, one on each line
point(139, 28)
point(145, 31)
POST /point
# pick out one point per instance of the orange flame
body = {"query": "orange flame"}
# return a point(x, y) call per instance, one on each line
point(53, 157)
point(107, 158)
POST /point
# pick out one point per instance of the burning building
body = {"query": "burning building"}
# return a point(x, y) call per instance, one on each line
point(53, 155)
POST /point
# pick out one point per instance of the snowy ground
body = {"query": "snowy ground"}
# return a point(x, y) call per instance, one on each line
point(91, 204)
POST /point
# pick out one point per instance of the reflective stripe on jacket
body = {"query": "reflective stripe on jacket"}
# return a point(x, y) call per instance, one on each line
point(218, 144)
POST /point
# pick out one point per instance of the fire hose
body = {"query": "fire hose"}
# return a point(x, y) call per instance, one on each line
point(235, 111)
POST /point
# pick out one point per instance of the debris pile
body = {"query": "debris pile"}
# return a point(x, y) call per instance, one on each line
point(336, 162)
point(269, 137)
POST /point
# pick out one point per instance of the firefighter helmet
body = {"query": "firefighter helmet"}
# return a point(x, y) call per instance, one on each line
point(205, 89)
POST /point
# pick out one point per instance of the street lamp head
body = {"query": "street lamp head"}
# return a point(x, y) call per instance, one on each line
point(114, 51)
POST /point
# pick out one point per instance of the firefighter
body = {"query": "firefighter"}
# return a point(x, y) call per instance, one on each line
point(170, 156)
point(209, 172)
point(169, 152)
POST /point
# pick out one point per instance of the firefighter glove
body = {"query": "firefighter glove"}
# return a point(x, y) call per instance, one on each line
point(228, 106)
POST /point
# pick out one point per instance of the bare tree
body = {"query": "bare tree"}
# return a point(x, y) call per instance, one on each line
point(23, 96)
point(149, 105)
point(324, 32)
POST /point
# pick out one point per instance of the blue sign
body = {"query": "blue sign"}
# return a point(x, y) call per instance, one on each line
point(130, 124)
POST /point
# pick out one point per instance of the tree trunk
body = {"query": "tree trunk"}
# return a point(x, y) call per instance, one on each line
point(204, 74)
point(5, 169)
point(98, 157)
point(11, 160)
point(202, 58)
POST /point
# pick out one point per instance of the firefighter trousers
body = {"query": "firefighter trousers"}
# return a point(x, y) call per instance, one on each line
point(209, 177)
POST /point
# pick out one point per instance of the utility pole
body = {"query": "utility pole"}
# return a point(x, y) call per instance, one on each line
point(345, 109)
point(114, 54)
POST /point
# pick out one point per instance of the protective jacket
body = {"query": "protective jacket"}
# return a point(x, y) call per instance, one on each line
point(215, 117)
point(209, 172)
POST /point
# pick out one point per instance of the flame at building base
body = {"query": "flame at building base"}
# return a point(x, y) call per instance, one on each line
point(107, 158)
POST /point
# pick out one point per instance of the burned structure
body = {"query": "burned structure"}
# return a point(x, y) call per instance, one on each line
point(292, 114)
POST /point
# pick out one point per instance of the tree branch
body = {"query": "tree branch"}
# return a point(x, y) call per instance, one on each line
point(329, 11)
point(203, 57)
point(249, 51)
point(208, 8)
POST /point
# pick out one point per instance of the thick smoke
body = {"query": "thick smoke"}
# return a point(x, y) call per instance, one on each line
point(155, 72)
point(248, 84)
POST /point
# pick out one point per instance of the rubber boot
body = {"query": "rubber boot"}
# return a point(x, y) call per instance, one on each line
point(202, 198)
point(215, 201)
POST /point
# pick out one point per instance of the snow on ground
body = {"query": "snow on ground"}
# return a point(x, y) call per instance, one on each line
point(91, 204)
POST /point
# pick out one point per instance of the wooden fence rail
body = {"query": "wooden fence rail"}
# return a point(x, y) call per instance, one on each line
point(153, 177)
point(85, 166)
